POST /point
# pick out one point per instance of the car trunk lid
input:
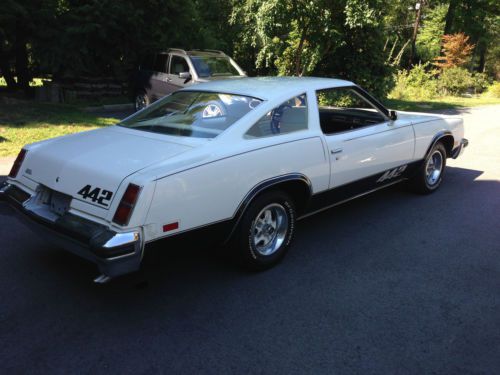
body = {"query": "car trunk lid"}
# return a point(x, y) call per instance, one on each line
point(99, 159)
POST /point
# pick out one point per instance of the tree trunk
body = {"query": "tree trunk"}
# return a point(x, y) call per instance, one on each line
point(298, 55)
point(6, 70)
point(482, 59)
point(21, 54)
point(415, 32)
point(450, 16)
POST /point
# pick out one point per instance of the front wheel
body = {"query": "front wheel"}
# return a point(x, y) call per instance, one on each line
point(430, 174)
point(141, 101)
point(265, 231)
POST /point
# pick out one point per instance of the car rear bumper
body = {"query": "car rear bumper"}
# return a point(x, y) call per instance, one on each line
point(114, 253)
point(457, 151)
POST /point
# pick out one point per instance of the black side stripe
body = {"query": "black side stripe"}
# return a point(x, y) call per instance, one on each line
point(342, 193)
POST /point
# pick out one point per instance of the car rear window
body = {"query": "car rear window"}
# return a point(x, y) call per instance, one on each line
point(195, 114)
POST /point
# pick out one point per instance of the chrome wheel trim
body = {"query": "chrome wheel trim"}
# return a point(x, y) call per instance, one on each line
point(269, 229)
point(434, 168)
point(140, 102)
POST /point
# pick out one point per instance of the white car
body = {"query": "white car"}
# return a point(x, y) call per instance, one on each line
point(236, 161)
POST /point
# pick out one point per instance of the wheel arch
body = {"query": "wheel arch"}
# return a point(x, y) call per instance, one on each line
point(297, 185)
point(446, 138)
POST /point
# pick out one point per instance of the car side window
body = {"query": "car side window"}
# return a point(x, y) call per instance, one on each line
point(178, 65)
point(160, 64)
point(342, 109)
point(290, 116)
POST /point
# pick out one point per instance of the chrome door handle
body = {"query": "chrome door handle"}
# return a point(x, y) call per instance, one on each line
point(336, 151)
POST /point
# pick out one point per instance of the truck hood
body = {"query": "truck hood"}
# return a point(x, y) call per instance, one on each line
point(100, 158)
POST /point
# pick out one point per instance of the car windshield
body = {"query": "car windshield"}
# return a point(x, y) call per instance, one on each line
point(195, 114)
point(209, 66)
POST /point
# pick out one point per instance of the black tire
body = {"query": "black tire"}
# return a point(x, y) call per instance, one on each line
point(243, 246)
point(422, 182)
point(141, 101)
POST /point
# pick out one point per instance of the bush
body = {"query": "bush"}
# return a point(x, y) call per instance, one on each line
point(480, 82)
point(414, 84)
point(493, 90)
point(454, 81)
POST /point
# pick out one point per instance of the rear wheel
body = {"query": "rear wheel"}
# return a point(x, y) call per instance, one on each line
point(265, 231)
point(430, 174)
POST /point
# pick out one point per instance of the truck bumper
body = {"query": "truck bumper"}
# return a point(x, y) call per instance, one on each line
point(457, 151)
point(115, 253)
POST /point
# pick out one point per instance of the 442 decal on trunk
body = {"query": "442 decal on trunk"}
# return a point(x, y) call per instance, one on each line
point(96, 195)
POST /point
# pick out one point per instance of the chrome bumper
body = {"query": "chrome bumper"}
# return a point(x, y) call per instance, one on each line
point(114, 253)
point(457, 151)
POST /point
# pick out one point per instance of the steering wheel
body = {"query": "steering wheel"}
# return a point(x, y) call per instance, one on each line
point(276, 117)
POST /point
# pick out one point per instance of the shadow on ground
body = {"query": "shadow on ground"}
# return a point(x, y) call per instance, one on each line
point(389, 283)
point(336, 227)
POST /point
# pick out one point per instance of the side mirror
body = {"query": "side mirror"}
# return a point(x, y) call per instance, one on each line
point(185, 75)
point(393, 115)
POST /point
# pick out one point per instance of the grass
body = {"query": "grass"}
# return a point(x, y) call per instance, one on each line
point(447, 102)
point(23, 122)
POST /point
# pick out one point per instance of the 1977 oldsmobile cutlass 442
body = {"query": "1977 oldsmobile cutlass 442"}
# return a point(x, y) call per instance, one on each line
point(240, 161)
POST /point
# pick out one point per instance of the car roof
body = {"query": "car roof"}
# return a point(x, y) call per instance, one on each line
point(194, 52)
point(268, 87)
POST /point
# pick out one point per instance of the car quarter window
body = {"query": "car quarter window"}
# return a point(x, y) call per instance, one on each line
point(342, 109)
point(290, 116)
point(178, 65)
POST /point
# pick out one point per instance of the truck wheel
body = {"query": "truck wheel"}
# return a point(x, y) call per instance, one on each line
point(141, 101)
point(430, 174)
point(265, 231)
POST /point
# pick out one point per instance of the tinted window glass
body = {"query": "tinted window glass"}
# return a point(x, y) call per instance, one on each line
point(192, 114)
point(161, 63)
point(288, 117)
point(343, 109)
point(178, 65)
point(207, 66)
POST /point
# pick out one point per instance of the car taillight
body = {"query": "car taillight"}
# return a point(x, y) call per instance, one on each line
point(126, 206)
point(17, 163)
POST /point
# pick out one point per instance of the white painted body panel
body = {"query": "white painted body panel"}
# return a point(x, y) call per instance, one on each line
point(196, 182)
point(229, 180)
point(369, 150)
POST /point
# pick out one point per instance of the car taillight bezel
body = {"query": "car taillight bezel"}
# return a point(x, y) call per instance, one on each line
point(16, 167)
point(127, 204)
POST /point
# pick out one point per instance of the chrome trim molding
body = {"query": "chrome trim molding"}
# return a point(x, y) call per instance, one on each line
point(122, 239)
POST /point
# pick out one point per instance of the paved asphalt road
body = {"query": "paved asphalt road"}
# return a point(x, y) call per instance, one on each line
point(392, 283)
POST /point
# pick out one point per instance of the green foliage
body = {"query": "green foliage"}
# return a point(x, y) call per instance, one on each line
point(417, 83)
point(360, 40)
point(288, 37)
point(480, 82)
point(454, 81)
point(420, 83)
point(358, 54)
point(428, 42)
point(493, 91)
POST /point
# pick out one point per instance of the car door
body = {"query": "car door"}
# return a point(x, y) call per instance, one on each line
point(179, 64)
point(362, 141)
point(159, 79)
